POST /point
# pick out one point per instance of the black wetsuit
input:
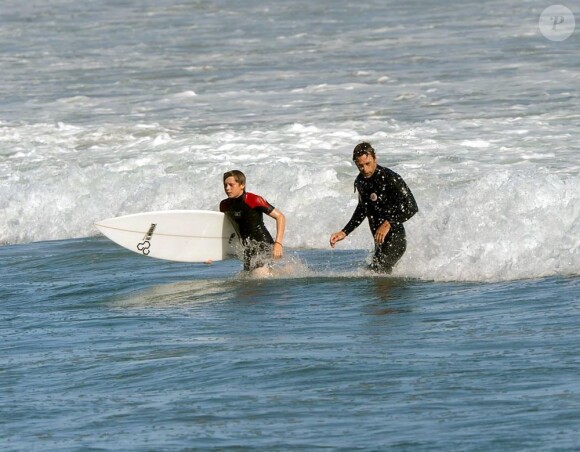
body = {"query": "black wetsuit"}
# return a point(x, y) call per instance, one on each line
point(384, 196)
point(247, 212)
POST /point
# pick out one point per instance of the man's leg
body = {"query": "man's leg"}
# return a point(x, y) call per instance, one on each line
point(389, 253)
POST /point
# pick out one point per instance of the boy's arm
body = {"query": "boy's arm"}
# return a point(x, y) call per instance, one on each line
point(280, 228)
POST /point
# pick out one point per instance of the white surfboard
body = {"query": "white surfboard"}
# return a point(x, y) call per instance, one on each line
point(175, 235)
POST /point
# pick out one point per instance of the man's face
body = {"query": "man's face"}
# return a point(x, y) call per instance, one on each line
point(233, 188)
point(366, 164)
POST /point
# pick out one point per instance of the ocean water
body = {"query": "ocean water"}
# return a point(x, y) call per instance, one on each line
point(110, 108)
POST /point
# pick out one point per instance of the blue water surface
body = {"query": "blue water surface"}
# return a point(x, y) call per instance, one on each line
point(104, 349)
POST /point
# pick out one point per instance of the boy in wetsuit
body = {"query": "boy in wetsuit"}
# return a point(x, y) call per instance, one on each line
point(386, 201)
point(246, 211)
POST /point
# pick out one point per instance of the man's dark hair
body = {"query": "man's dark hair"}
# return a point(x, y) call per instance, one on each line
point(363, 148)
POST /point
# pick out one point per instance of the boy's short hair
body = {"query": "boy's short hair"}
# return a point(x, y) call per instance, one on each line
point(363, 148)
point(238, 176)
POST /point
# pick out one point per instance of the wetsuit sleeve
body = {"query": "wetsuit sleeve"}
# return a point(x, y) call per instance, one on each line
point(258, 203)
point(405, 205)
point(223, 206)
point(357, 218)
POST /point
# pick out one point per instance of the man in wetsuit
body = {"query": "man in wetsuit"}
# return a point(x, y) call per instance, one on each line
point(386, 201)
point(246, 211)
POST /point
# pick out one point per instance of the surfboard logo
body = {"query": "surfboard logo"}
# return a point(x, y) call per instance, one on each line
point(144, 247)
point(146, 243)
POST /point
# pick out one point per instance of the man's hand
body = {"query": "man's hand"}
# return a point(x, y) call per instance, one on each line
point(336, 237)
point(382, 232)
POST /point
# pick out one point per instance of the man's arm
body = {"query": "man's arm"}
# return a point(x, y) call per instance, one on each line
point(403, 209)
point(357, 218)
point(406, 206)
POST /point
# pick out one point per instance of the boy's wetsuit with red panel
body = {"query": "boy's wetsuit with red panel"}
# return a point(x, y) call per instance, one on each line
point(384, 196)
point(247, 212)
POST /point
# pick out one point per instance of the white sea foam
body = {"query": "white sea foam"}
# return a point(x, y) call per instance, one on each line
point(132, 107)
point(491, 213)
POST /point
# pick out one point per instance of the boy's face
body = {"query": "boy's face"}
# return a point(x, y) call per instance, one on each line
point(233, 188)
point(366, 164)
